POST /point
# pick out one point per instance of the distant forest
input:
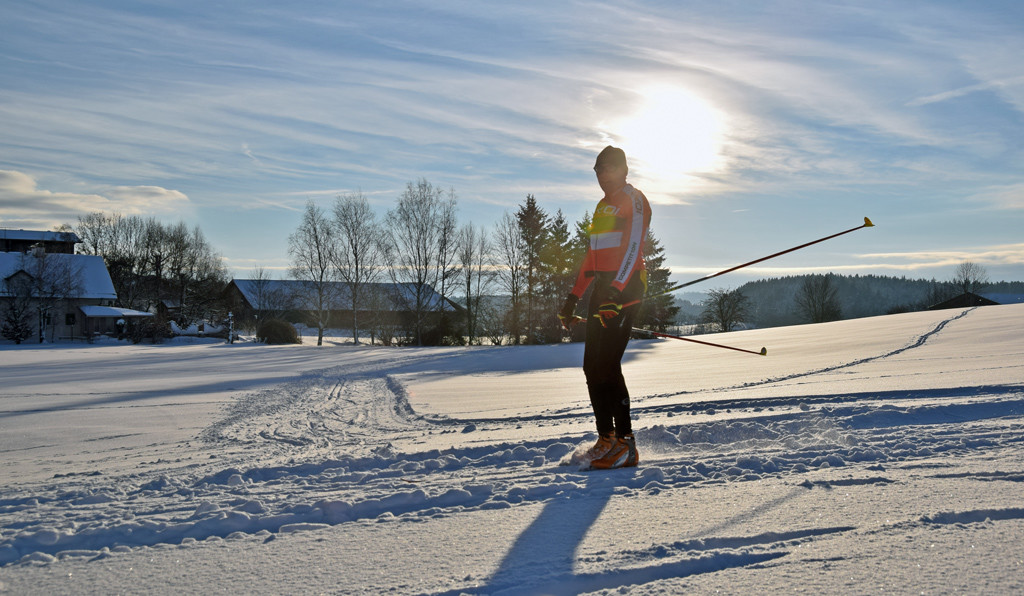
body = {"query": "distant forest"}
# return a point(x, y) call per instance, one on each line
point(772, 302)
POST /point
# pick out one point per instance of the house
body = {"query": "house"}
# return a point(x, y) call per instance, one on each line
point(26, 240)
point(110, 320)
point(382, 304)
point(51, 294)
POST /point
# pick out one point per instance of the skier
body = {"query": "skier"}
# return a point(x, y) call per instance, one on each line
point(615, 265)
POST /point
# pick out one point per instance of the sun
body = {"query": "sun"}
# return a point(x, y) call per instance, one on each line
point(671, 136)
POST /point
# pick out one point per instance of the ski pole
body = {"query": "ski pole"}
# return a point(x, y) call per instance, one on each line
point(867, 224)
point(763, 352)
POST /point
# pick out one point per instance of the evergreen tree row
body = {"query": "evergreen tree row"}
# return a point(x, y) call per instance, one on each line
point(551, 254)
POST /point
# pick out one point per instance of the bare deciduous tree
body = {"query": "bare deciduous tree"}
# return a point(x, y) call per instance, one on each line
point(969, 277)
point(195, 274)
point(474, 248)
point(149, 261)
point(359, 255)
point(818, 299)
point(511, 269)
point(96, 231)
point(725, 308)
point(447, 255)
point(269, 301)
point(313, 248)
point(415, 231)
point(122, 242)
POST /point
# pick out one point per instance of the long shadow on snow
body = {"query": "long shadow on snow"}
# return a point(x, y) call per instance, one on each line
point(771, 402)
point(504, 359)
point(547, 548)
point(138, 398)
point(826, 398)
point(542, 559)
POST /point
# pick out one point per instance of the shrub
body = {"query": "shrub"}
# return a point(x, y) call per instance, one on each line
point(16, 328)
point(154, 329)
point(276, 331)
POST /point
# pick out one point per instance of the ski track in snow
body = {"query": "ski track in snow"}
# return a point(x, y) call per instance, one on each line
point(916, 343)
point(327, 451)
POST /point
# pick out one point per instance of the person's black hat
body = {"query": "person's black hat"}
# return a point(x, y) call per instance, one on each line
point(611, 156)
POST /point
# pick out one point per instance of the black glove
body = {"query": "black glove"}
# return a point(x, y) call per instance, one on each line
point(568, 313)
point(610, 307)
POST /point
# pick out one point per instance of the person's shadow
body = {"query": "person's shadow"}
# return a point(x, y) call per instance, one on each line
point(543, 557)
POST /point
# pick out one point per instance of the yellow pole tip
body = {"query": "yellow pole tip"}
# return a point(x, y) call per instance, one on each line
point(867, 223)
point(764, 351)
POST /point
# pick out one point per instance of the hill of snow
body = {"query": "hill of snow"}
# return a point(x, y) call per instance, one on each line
point(879, 454)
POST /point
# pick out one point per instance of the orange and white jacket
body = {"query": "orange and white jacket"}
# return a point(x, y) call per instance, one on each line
point(617, 235)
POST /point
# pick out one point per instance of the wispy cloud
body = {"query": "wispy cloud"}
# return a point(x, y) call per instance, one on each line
point(1007, 197)
point(254, 111)
point(925, 263)
point(1003, 254)
point(962, 91)
point(300, 104)
point(24, 205)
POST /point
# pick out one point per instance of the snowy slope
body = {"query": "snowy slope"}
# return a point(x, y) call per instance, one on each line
point(857, 456)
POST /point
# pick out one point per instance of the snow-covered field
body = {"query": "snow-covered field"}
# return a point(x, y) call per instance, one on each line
point(873, 455)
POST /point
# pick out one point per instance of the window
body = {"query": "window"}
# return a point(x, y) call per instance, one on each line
point(69, 318)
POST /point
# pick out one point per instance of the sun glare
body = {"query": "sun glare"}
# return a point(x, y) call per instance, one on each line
point(672, 135)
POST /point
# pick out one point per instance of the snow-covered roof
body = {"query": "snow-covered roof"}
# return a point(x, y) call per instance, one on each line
point(91, 269)
point(113, 311)
point(38, 236)
point(398, 297)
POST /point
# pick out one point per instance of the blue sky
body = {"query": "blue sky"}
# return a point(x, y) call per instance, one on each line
point(751, 127)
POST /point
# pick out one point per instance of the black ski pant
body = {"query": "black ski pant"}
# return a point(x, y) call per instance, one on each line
point(602, 365)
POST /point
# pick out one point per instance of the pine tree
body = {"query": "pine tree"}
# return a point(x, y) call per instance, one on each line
point(581, 241)
point(17, 326)
point(659, 312)
point(558, 267)
point(577, 251)
point(533, 229)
